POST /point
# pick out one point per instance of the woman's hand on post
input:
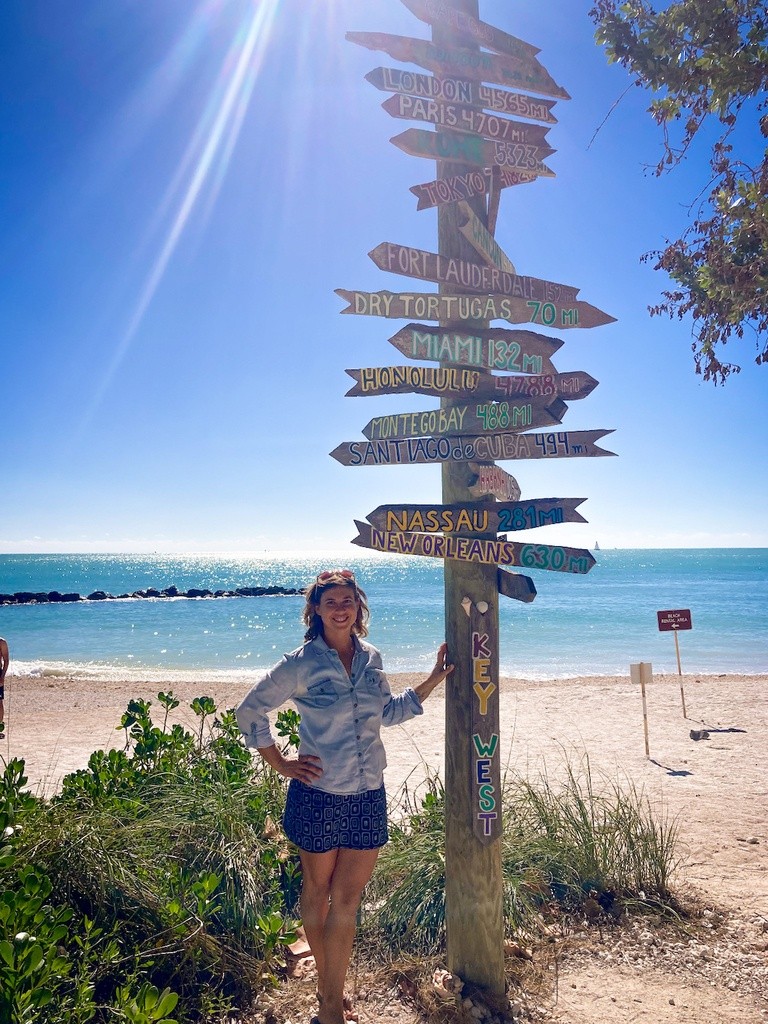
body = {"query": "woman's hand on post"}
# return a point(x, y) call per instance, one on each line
point(442, 669)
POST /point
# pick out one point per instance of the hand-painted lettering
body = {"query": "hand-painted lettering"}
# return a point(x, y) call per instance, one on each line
point(487, 800)
point(483, 695)
point(488, 818)
point(485, 749)
point(480, 669)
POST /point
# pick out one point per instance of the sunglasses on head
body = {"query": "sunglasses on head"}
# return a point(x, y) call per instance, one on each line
point(346, 574)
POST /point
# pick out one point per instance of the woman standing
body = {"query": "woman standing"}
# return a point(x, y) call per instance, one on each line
point(336, 805)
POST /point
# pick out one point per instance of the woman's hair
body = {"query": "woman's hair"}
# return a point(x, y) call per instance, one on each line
point(313, 593)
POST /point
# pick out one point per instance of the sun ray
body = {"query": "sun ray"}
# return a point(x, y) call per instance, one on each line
point(204, 163)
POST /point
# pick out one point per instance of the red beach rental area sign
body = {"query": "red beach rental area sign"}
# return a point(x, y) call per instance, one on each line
point(675, 619)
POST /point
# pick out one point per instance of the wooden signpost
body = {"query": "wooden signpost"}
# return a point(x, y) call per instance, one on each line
point(462, 274)
point(478, 517)
point(414, 451)
point(465, 186)
point(464, 26)
point(485, 348)
point(434, 306)
point(482, 418)
point(475, 549)
point(465, 119)
point(454, 382)
point(473, 149)
point(493, 383)
point(516, 72)
point(462, 90)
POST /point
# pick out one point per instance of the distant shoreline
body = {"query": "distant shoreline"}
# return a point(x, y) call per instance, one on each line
point(128, 675)
point(171, 593)
point(114, 682)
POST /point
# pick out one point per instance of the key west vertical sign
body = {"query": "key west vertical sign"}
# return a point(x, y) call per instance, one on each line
point(484, 115)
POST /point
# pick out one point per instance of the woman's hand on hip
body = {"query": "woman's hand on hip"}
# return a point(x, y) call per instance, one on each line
point(306, 768)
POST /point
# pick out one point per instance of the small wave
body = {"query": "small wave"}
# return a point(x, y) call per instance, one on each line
point(121, 673)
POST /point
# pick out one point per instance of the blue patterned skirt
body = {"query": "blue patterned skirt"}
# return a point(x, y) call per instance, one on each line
point(317, 822)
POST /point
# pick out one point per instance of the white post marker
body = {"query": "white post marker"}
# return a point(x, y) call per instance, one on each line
point(674, 620)
point(642, 673)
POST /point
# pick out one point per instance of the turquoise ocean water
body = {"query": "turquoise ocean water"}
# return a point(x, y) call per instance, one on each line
point(578, 625)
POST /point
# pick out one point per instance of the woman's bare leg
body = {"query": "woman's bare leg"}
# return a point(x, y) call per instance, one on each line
point(316, 871)
point(333, 883)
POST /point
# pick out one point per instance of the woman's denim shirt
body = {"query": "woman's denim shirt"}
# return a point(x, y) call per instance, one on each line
point(341, 716)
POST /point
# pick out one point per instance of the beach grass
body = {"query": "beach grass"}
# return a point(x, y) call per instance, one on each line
point(573, 845)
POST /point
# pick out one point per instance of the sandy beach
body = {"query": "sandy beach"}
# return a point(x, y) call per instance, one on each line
point(717, 788)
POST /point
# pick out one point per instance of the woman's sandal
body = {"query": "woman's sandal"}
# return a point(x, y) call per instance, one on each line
point(350, 1013)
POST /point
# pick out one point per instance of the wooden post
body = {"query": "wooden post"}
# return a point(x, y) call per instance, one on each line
point(680, 673)
point(675, 619)
point(474, 917)
point(642, 673)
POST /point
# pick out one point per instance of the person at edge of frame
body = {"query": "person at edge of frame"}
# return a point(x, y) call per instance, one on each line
point(5, 660)
point(336, 808)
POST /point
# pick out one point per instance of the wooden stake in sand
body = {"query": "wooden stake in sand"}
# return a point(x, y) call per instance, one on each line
point(642, 673)
point(674, 620)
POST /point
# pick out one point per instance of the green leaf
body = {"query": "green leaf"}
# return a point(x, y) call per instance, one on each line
point(167, 1002)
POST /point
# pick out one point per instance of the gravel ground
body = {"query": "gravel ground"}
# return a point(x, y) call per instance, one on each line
point(712, 967)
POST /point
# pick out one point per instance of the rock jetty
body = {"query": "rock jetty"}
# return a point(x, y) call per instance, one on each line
point(54, 597)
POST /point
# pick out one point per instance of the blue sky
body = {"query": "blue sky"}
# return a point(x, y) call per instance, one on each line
point(184, 185)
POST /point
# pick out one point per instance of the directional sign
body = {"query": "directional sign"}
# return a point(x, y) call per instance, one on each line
point(431, 306)
point(465, 119)
point(448, 382)
point(679, 618)
point(476, 517)
point(475, 549)
point(492, 480)
point(474, 277)
point(412, 451)
point(516, 586)
point(514, 72)
point(435, 12)
point(490, 348)
point(472, 149)
point(482, 241)
point(451, 382)
point(569, 386)
point(461, 90)
point(463, 186)
point(454, 420)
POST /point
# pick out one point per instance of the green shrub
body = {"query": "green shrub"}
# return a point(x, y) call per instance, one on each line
point(163, 867)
